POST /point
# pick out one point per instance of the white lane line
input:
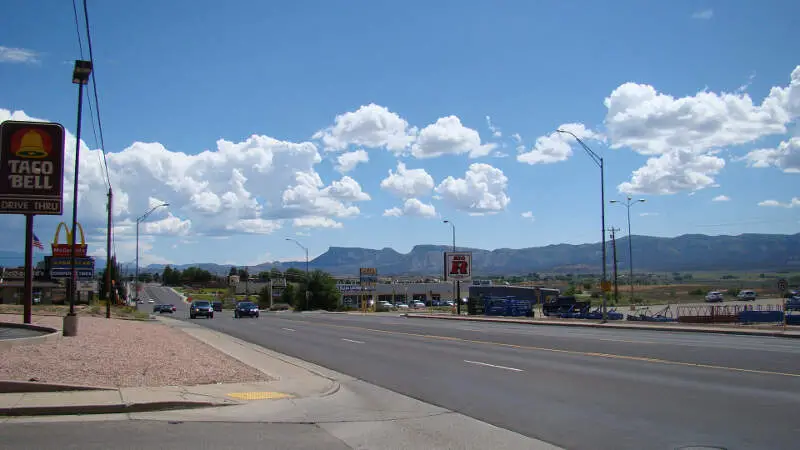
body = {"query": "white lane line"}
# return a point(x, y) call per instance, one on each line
point(289, 329)
point(492, 365)
point(354, 342)
point(622, 340)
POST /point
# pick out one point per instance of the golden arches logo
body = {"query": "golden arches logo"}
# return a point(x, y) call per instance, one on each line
point(69, 234)
point(70, 247)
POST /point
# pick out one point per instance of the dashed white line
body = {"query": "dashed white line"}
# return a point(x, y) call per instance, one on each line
point(354, 342)
point(289, 329)
point(492, 365)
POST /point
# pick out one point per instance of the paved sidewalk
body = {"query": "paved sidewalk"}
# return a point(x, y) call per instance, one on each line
point(791, 332)
point(287, 380)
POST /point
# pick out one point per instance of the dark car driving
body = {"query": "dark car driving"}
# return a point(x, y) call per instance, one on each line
point(201, 308)
point(164, 309)
point(245, 309)
point(217, 306)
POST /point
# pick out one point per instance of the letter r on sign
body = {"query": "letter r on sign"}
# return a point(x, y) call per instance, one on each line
point(459, 267)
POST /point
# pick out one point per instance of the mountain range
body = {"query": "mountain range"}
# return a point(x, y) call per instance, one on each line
point(690, 252)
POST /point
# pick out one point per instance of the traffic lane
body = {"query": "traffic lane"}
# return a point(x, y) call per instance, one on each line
point(738, 342)
point(576, 401)
point(137, 434)
point(779, 359)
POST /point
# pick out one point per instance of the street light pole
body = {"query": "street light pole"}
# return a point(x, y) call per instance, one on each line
point(456, 283)
point(628, 203)
point(308, 276)
point(599, 161)
point(139, 220)
point(80, 76)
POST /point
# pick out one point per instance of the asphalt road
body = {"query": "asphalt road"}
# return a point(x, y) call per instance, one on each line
point(576, 388)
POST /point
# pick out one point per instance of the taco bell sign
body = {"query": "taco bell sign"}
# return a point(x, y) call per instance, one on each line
point(31, 168)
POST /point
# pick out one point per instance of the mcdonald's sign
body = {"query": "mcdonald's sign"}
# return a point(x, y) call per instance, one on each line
point(65, 249)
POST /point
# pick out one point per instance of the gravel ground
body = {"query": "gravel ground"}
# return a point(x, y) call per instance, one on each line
point(121, 353)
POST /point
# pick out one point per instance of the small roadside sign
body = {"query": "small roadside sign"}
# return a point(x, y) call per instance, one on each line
point(458, 266)
point(782, 284)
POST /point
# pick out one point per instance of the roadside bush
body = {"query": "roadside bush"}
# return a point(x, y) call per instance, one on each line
point(696, 292)
point(733, 291)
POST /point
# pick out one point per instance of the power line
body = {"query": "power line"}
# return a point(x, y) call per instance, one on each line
point(77, 26)
point(94, 88)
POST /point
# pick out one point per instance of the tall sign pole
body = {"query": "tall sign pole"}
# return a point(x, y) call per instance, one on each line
point(109, 264)
point(31, 181)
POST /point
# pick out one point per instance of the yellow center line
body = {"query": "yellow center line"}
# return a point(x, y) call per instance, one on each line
point(569, 352)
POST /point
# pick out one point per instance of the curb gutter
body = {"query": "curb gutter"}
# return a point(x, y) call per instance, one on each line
point(119, 408)
point(763, 333)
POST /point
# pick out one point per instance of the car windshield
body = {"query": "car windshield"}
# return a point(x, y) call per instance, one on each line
point(201, 303)
point(247, 305)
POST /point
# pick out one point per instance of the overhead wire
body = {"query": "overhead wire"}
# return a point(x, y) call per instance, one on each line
point(94, 89)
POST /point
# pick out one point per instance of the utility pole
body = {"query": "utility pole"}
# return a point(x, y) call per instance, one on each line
point(614, 255)
point(109, 264)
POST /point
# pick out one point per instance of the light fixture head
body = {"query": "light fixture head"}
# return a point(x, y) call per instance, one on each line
point(81, 72)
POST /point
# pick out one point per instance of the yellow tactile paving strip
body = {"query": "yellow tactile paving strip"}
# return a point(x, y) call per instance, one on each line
point(259, 395)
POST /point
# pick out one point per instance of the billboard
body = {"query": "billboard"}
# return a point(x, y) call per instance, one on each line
point(457, 266)
point(368, 277)
point(31, 168)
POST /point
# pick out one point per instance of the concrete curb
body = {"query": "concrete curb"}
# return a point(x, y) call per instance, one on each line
point(104, 409)
point(15, 387)
point(614, 326)
point(51, 336)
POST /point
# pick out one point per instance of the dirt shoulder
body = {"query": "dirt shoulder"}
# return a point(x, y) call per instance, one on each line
point(121, 353)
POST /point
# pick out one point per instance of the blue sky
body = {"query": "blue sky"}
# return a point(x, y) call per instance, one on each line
point(688, 101)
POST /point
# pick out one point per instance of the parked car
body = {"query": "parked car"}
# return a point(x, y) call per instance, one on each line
point(384, 306)
point(747, 295)
point(245, 309)
point(418, 304)
point(165, 309)
point(793, 304)
point(217, 306)
point(401, 306)
point(156, 307)
point(201, 308)
point(714, 296)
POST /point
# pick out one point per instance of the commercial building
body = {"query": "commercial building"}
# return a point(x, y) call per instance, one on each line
point(46, 290)
point(395, 290)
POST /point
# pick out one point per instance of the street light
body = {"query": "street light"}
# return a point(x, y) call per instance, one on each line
point(456, 283)
point(628, 203)
point(599, 161)
point(308, 277)
point(139, 220)
point(80, 76)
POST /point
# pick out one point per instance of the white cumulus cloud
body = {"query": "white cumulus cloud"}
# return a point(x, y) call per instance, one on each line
point(447, 136)
point(17, 55)
point(556, 147)
point(407, 183)
point(786, 156)
point(316, 222)
point(412, 207)
point(528, 215)
point(348, 161)
point(721, 198)
point(372, 126)
point(673, 172)
point(482, 190)
point(794, 202)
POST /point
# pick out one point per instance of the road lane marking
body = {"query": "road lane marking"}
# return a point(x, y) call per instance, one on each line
point(289, 329)
point(621, 340)
point(354, 342)
point(572, 352)
point(492, 365)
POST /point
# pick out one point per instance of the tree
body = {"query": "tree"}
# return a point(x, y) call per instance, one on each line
point(264, 276)
point(233, 271)
point(288, 294)
point(263, 297)
point(157, 277)
point(295, 275)
point(322, 290)
point(244, 274)
point(115, 276)
point(275, 273)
